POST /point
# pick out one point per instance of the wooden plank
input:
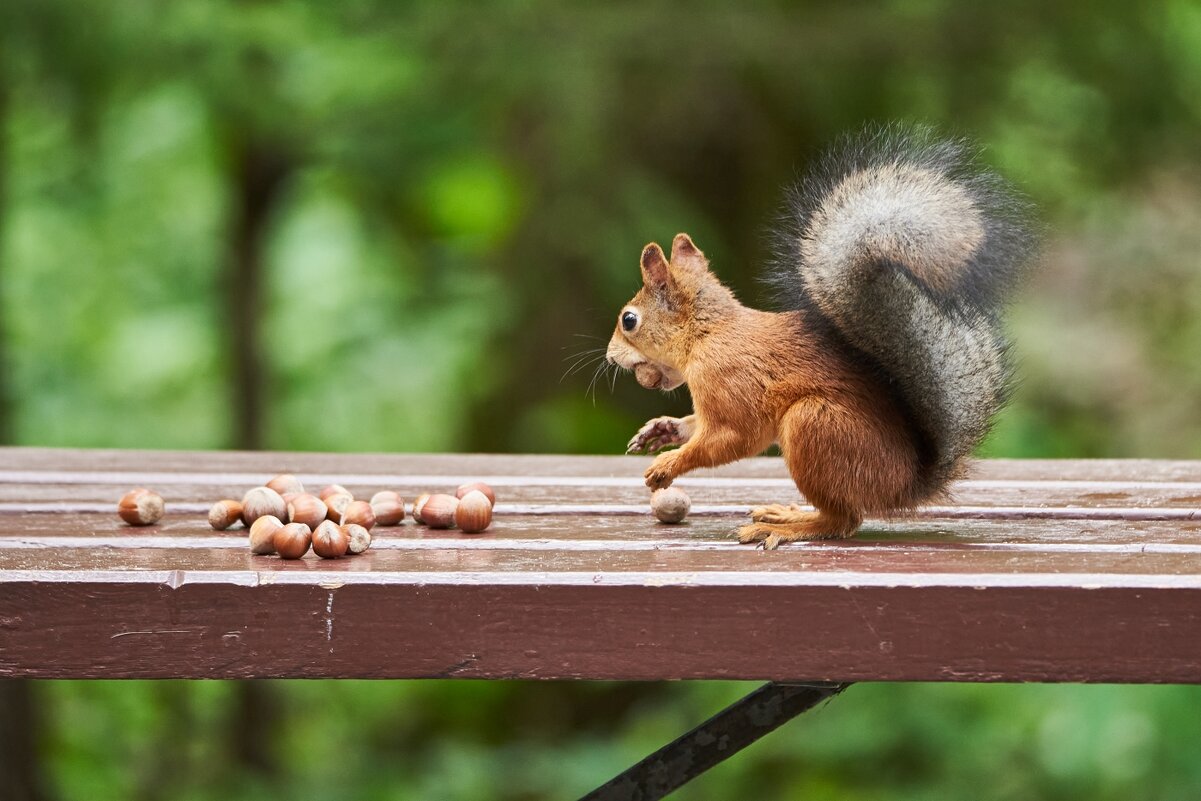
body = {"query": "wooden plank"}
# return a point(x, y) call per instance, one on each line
point(33, 480)
point(394, 562)
point(262, 465)
point(182, 492)
point(629, 529)
point(630, 631)
point(1056, 571)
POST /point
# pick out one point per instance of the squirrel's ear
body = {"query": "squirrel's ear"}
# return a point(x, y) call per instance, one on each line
point(687, 254)
point(655, 272)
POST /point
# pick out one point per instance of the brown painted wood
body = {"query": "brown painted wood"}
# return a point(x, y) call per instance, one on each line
point(635, 631)
point(1047, 571)
point(584, 491)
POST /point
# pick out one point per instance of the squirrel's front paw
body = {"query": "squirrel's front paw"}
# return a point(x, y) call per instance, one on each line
point(662, 471)
point(660, 433)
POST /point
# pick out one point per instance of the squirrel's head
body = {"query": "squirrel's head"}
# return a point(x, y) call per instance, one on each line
point(679, 299)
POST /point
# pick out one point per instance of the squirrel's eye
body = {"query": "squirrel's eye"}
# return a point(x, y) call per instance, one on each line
point(629, 319)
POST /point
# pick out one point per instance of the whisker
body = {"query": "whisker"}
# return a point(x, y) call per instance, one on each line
point(592, 384)
point(580, 364)
point(583, 356)
point(576, 358)
point(578, 352)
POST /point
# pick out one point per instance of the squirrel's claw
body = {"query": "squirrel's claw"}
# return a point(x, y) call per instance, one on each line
point(762, 536)
point(662, 471)
point(658, 479)
point(657, 434)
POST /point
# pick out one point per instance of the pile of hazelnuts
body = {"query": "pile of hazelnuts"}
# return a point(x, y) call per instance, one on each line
point(283, 519)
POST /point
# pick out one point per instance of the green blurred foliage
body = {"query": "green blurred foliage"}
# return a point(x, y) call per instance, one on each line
point(463, 193)
point(433, 156)
point(524, 740)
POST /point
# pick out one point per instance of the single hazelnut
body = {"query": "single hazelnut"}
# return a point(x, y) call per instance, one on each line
point(670, 505)
point(292, 541)
point(262, 534)
point(329, 541)
point(474, 512)
point(439, 510)
point(224, 514)
point(140, 507)
point(418, 505)
point(333, 489)
point(285, 483)
point(262, 501)
point(389, 508)
point(358, 512)
point(477, 485)
point(647, 375)
point(336, 504)
point(307, 509)
point(358, 538)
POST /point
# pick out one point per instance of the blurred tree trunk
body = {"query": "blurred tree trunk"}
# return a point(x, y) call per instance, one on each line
point(20, 766)
point(258, 172)
point(254, 726)
point(7, 424)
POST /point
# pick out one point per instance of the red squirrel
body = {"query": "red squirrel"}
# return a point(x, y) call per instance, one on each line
point(887, 363)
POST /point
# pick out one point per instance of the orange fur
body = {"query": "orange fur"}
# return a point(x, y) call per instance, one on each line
point(761, 377)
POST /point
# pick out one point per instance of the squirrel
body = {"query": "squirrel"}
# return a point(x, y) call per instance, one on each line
point(887, 362)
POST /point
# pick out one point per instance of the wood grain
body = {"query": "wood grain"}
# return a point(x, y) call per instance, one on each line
point(1040, 571)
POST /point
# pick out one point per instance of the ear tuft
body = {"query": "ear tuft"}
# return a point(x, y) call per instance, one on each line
point(655, 272)
point(682, 245)
point(684, 252)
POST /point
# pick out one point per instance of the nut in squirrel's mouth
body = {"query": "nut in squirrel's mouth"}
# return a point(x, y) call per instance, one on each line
point(652, 376)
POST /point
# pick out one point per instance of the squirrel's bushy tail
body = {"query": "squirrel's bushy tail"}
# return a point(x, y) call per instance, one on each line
point(909, 248)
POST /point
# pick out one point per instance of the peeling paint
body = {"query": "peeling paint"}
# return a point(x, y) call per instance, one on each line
point(150, 631)
point(329, 619)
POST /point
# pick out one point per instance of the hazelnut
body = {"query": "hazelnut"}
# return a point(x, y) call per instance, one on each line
point(329, 541)
point(418, 505)
point(439, 510)
point(389, 508)
point(481, 487)
point(647, 375)
point(224, 514)
point(140, 507)
point(292, 541)
point(358, 512)
point(358, 538)
point(670, 505)
point(285, 483)
point(307, 509)
point(262, 534)
point(333, 489)
point(262, 501)
point(337, 504)
point(474, 512)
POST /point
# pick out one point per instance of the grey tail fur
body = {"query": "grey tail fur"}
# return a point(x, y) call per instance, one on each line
point(909, 249)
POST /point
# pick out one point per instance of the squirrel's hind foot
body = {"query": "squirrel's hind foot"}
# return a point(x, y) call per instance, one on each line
point(794, 524)
point(768, 535)
point(781, 513)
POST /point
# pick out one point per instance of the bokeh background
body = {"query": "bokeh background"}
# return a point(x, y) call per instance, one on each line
point(392, 226)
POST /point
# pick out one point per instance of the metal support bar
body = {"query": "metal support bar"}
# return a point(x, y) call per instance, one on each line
point(717, 739)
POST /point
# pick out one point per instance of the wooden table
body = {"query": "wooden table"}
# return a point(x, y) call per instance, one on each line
point(1039, 571)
